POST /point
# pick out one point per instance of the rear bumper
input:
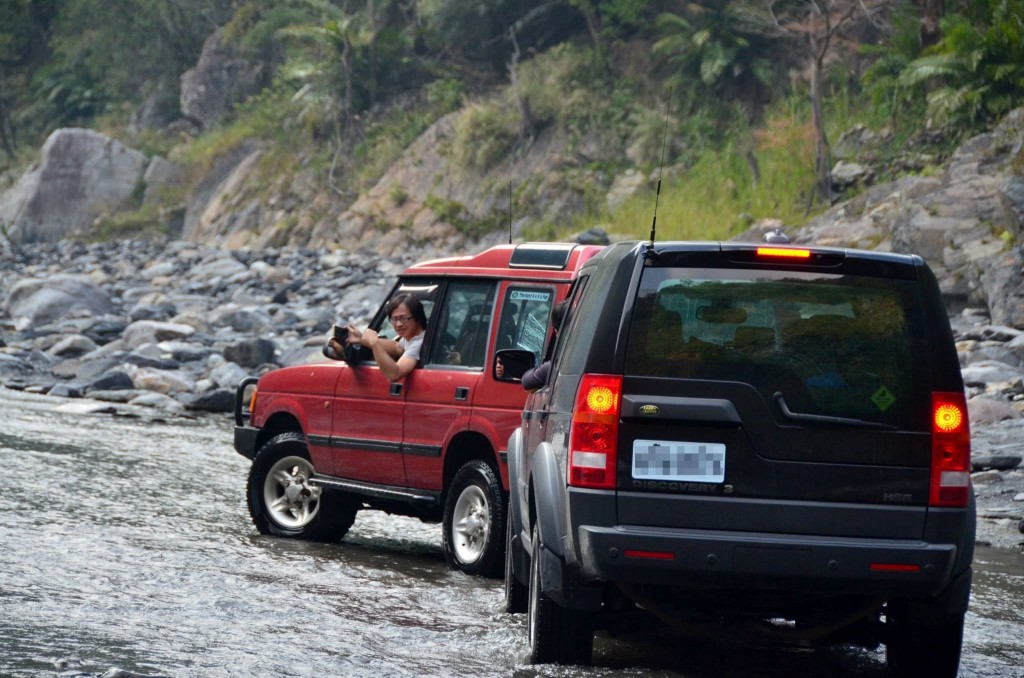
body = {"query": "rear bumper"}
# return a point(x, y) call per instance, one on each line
point(702, 559)
point(245, 441)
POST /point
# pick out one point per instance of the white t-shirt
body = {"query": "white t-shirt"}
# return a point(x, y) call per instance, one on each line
point(411, 347)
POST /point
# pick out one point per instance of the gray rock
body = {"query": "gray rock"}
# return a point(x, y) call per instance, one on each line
point(111, 381)
point(123, 395)
point(82, 174)
point(219, 79)
point(1011, 198)
point(251, 352)
point(984, 477)
point(37, 301)
point(228, 375)
point(158, 401)
point(153, 332)
point(989, 371)
point(68, 390)
point(987, 411)
point(995, 462)
point(75, 345)
point(849, 174)
point(163, 311)
point(243, 320)
point(218, 400)
point(221, 267)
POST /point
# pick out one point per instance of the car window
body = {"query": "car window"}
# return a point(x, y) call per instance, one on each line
point(525, 315)
point(463, 323)
point(569, 320)
point(424, 290)
point(832, 345)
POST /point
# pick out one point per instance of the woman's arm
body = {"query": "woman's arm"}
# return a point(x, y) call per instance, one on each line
point(394, 367)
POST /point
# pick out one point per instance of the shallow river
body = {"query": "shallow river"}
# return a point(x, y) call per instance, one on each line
point(126, 543)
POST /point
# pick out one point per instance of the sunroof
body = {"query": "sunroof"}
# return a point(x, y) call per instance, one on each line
point(541, 255)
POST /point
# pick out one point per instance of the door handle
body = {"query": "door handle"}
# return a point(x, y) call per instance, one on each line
point(461, 392)
point(395, 390)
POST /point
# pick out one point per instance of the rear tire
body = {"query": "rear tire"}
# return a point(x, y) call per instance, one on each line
point(517, 594)
point(915, 649)
point(281, 500)
point(474, 520)
point(558, 635)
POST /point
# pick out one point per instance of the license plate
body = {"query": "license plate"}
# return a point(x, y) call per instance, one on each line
point(669, 460)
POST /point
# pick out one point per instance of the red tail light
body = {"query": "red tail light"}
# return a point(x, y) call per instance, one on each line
point(593, 439)
point(951, 451)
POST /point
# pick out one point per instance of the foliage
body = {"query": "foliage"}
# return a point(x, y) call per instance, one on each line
point(977, 68)
point(707, 45)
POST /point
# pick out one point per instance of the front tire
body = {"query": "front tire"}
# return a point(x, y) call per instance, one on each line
point(283, 503)
point(474, 520)
point(558, 635)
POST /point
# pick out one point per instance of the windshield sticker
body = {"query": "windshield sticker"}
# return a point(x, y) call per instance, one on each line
point(883, 398)
point(521, 295)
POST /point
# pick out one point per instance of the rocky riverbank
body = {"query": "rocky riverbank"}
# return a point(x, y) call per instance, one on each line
point(158, 329)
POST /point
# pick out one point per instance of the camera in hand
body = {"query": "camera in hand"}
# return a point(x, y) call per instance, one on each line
point(341, 334)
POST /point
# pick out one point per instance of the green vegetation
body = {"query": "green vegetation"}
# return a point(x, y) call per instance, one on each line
point(733, 104)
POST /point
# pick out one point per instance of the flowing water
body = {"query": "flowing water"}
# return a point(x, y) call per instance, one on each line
point(125, 542)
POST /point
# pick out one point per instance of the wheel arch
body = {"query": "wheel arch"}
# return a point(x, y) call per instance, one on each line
point(466, 446)
point(276, 424)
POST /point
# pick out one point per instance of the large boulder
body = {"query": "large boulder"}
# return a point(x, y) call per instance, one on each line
point(219, 80)
point(82, 174)
point(39, 301)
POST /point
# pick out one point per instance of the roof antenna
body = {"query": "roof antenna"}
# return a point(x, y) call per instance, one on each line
point(650, 253)
point(509, 211)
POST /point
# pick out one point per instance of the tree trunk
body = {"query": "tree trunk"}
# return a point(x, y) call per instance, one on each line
point(527, 127)
point(932, 12)
point(371, 18)
point(822, 152)
point(586, 8)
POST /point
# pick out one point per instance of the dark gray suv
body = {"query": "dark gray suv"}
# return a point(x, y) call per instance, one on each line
point(747, 439)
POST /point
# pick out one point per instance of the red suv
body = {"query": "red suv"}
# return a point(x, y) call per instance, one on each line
point(329, 439)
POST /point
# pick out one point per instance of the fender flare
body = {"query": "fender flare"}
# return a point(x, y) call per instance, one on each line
point(548, 489)
point(515, 445)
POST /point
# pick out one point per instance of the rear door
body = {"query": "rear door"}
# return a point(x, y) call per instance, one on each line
point(802, 385)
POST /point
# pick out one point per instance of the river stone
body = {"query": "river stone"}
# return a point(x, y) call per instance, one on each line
point(75, 345)
point(987, 411)
point(158, 401)
point(218, 400)
point(86, 408)
point(995, 462)
point(161, 381)
point(68, 390)
point(153, 331)
point(33, 301)
point(217, 269)
point(983, 477)
point(228, 375)
point(112, 381)
point(142, 311)
point(117, 395)
point(250, 352)
point(989, 371)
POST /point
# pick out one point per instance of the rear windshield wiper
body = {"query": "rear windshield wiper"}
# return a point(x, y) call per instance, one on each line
point(823, 419)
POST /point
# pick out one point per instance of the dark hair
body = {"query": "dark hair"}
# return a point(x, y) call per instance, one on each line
point(412, 303)
point(558, 312)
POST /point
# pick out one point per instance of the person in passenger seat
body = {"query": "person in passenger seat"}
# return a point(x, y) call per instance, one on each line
point(396, 359)
point(537, 377)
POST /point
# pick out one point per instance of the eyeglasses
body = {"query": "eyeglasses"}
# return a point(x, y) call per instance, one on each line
point(400, 319)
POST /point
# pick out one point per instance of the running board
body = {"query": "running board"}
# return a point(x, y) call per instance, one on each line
point(420, 498)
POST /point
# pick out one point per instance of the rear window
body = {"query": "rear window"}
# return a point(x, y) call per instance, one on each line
point(832, 345)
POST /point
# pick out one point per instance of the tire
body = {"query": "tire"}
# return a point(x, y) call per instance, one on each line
point(474, 521)
point(517, 594)
point(917, 649)
point(558, 635)
point(281, 501)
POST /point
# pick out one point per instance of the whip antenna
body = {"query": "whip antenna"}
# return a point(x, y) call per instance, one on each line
point(661, 167)
point(509, 211)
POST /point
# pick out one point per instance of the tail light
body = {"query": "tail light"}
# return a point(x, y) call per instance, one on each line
point(951, 451)
point(784, 252)
point(593, 438)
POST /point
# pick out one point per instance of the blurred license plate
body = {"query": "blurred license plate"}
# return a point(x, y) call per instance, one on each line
point(666, 460)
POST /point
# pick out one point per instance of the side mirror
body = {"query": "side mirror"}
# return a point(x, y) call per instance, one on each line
point(511, 363)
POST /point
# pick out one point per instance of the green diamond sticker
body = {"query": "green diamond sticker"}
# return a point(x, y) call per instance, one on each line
point(883, 398)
